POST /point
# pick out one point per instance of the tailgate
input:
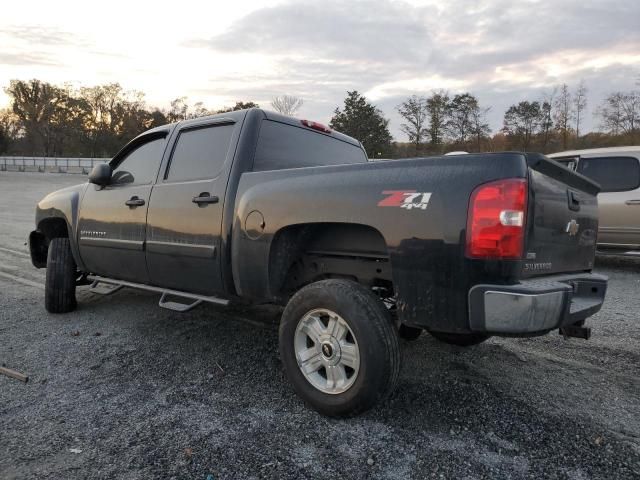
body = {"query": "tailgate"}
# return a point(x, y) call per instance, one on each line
point(562, 219)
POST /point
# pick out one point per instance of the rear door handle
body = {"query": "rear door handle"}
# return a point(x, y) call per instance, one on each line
point(134, 202)
point(204, 198)
point(632, 202)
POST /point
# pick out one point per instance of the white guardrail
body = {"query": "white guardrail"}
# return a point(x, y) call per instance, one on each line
point(49, 164)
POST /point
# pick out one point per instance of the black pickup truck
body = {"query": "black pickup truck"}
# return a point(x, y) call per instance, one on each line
point(258, 207)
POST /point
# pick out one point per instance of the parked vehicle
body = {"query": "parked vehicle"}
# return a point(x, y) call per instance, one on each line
point(617, 170)
point(261, 207)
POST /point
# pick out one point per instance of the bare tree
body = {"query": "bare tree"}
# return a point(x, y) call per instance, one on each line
point(631, 112)
point(620, 113)
point(414, 111)
point(479, 126)
point(610, 113)
point(287, 104)
point(563, 114)
point(579, 105)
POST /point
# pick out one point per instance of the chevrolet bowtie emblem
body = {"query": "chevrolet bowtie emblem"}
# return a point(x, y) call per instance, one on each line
point(572, 228)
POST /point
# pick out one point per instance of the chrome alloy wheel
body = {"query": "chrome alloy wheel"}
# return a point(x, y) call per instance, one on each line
point(326, 351)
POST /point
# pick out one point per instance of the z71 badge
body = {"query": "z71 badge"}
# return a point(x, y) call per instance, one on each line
point(408, 199)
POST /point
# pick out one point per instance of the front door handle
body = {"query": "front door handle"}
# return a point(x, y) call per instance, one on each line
point(632, 202)
point(134, 202)
point(204, 198)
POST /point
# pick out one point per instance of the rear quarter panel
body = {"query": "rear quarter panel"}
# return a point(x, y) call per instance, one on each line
point(425, 246)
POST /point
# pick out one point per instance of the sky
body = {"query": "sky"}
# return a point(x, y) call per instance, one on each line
point(218, 52)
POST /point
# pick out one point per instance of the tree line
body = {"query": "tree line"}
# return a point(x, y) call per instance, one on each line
point(52, 120)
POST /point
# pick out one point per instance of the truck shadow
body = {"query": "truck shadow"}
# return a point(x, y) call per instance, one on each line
point(629, 264)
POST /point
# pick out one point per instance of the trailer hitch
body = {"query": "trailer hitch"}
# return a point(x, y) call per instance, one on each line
point(575, 331)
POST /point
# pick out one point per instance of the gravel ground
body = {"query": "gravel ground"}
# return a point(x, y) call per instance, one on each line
point(123, 389)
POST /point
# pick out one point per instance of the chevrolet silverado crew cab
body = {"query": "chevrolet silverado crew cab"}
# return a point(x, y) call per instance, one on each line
point(254, 206)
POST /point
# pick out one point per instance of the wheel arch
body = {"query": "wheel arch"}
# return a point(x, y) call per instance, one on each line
point(56, 217)
point(47, 229)
point(303, 253)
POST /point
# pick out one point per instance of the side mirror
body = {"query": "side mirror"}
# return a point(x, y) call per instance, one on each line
point(100, 174)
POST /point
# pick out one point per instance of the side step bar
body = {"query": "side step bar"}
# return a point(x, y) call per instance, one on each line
point(111, 285)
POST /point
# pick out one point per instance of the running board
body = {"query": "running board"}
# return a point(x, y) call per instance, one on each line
point(104, 289)
point(116, 285)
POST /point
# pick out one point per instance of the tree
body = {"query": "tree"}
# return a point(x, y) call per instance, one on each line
point(480, 128)
point(47, 115)
point(564, 114)
point(579, 105)
point(521, 122)
point(437, 108)
point(33, 103)
point(460, 114)
point(7, 130)
point(630, 112)
point(620, 113)
point(239, 106)
point(414, 112)
point(611, 113)
point(102, 125)
point(178, 110)
point(546, 123)
point(287, 104)
point(199, 110)
point(364, 122)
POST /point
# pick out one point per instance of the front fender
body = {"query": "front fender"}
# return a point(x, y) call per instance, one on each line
point(61, 205)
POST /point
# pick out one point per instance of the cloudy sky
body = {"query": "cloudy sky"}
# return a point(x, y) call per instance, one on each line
point(218, 52)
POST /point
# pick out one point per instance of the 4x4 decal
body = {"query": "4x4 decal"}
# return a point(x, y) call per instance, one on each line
point(408, 199)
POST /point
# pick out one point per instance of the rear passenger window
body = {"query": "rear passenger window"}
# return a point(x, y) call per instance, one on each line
point(200, 153)
point(614, 174)
point(287, 146)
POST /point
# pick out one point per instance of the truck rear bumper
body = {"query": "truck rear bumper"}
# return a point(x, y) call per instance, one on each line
point(536, 306)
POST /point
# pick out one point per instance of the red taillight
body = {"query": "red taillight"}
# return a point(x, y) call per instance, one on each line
point(496, 223)
point(316, 126)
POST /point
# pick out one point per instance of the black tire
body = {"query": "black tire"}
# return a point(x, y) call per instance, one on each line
point(460, 339)
point(409, 333)
point(60, 287)
point(374, 332)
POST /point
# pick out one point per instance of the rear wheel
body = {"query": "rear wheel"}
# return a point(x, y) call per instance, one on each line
point(339, 347)
point(460, 339)
point(60, 286)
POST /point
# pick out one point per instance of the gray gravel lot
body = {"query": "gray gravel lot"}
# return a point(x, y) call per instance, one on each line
point(141, 392)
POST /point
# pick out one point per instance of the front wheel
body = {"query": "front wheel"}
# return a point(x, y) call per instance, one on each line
point(60, 283)
point(339, 347)
point(460, 339)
